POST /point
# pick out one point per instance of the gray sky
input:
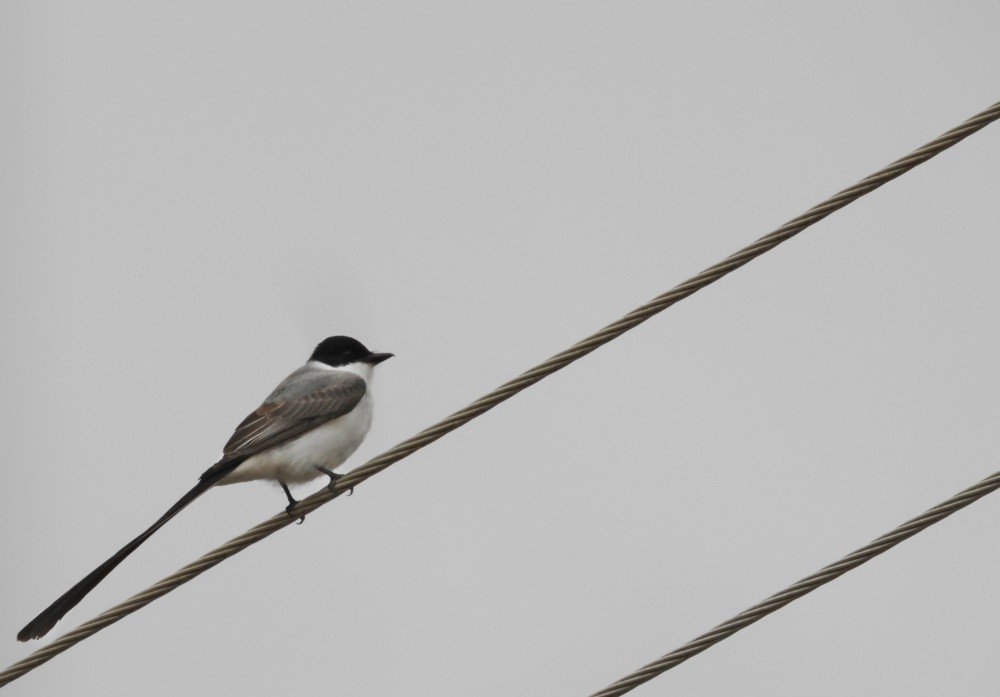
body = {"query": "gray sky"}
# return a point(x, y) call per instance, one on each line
point(193, 196)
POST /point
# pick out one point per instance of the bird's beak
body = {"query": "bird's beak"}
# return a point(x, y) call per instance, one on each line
point(376, 358)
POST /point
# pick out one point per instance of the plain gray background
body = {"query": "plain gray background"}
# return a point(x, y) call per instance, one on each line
point(195, 194)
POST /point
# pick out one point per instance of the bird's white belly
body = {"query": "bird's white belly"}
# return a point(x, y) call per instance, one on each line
point(328, 445)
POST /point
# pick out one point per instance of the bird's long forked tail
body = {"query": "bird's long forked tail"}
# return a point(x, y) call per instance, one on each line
point(46, 620)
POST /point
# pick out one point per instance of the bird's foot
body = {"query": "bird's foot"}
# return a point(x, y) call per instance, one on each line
point(291, 504)
point(334, 478)
point(288, 510)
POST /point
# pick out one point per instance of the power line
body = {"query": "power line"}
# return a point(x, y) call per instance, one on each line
point(508, 390)
point(797, 590)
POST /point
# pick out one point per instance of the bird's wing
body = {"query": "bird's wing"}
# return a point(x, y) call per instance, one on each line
point(305, 400)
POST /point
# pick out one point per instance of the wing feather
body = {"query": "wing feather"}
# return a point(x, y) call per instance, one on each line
point(302, 402)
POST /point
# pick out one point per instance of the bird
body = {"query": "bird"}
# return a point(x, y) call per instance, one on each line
point(307, 427)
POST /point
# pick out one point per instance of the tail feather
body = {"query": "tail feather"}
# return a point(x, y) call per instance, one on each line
point(47, 619)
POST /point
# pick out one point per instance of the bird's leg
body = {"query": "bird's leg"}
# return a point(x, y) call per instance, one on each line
point(291, 502)
point(334, 478)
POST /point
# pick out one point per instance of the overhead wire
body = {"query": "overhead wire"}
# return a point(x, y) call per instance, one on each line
point(507, 390)
point(803, 587)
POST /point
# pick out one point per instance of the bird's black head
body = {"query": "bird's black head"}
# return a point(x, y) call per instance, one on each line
point(338, 351)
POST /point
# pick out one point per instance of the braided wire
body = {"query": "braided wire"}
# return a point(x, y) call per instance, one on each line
point(801, 588)
point(506, 391)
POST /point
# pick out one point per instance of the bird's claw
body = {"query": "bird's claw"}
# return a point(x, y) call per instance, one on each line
point(291, 503)
point(288, 510)
point(334, 478)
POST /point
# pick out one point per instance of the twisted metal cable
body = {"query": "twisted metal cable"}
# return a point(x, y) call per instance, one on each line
point(797, 590)
point(506, 391)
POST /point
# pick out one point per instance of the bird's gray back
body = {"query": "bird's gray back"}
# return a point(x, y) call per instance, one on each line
point(307, 398)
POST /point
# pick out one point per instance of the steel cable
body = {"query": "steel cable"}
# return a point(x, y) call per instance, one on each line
point(797, 590)
point(506, 391)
